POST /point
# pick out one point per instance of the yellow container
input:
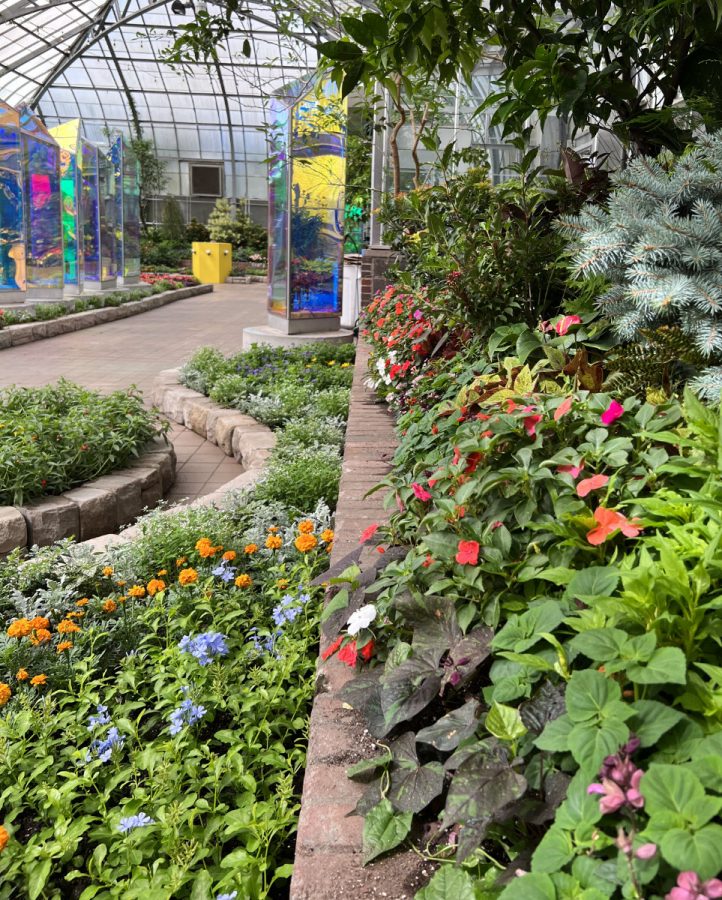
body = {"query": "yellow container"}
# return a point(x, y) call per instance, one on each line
point(212, 262)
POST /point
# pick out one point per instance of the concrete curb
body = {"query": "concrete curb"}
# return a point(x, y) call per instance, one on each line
point(246, 440)
point(27, 332)
point(96, 507)
point(328, 861)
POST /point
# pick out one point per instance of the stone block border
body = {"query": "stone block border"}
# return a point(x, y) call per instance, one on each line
point(247, 279)
point(246, 440)
point(27, 332)
point(96, 507)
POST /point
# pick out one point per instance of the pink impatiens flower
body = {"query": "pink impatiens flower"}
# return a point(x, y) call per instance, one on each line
point(563, 408)
point(691, 887)
point(565, 323)
point(420, 492)
point(609, 521)
point(613, 412)
point(571, 469)
point(468, 553)
point(530, 424)
point(591, 484)
point(368, 533)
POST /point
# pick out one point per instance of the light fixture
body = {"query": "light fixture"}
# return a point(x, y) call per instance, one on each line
point(180, 8)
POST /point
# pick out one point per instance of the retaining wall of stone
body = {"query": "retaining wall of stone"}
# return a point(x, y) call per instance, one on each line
point(97, 507)
point(26, 332)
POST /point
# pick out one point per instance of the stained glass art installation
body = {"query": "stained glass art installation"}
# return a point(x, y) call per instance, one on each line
point(12, 227)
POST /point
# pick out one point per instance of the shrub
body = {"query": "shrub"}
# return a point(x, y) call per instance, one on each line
point(238, 230)
point(43, 312)
point(173, 228)
point(195, 231)
point(301, 477)
point(56, 437)
point(659, 245)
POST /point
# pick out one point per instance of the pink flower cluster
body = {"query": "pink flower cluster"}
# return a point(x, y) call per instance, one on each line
point(620, 779)
point(691, 887)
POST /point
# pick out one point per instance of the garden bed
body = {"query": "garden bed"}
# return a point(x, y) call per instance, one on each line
point(63, 322)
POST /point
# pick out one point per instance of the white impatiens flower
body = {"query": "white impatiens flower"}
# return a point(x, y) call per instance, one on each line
point(362, 618)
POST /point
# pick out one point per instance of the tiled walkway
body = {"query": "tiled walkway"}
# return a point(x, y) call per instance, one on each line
point(132, 351)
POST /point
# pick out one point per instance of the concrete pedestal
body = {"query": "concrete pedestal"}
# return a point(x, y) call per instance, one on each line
point(274, 337)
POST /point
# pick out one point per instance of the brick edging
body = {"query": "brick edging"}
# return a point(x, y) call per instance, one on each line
point(96, 507)
point(28, 332)
point(328, 858)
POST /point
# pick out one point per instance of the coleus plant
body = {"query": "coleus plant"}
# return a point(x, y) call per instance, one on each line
point(555, 600)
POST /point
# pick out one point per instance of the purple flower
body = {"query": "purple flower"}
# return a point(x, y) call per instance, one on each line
point(689, 887)
point(418, 315)
point(619, 781)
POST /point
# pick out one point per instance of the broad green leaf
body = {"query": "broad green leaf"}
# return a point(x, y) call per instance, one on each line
point(555, 737)
point(592, 582)
point(413, 786)
point(202, 885)
point(366, 766)
point(653, 719)
point(600, 644)
point(668, 665)
point(590, 743)
point(336, 603)
point(449, 883)
point(410, 687)
point(37, 877)
point(553, 852)
point(667, 788)
point(588, 692)
point(505, 723)
point(522, 632)
point(530, 887)
point(384, 829)
point(700, 852)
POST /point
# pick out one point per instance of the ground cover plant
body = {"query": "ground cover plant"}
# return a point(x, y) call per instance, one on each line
point(57, 437)
point(301, 393)
point(548, 636)
point(155, 704)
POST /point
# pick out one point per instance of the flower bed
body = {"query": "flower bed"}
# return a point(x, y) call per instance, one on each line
point(176, 279)
point(303, 394)
point(57, 437)
point(161, 694)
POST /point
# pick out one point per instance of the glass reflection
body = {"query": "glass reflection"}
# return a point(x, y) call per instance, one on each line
point(106, 189)
point(90, 212)
point(44, 229)
point(278, 208)
point(12, 241)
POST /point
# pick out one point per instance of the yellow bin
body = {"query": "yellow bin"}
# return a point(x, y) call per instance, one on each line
point(212, 262)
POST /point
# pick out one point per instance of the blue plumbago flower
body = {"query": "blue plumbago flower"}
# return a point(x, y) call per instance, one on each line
point(102, 717)
point(204, 646)
point(263, 645)
point(231, 896)
point(225, 571)
point(103, 749)
point(304, 598)
point(130, 823)
point(285, 611)
point(188, 713)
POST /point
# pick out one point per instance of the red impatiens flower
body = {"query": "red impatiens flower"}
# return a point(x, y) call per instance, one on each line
point(332, 648)
point(368, 533)
point(350, 653)
point(571, 470)
point(609, 521)
point(420, 492)
point(530, 424)
point(565, 323)
point(613, 412)
point(563, 408)
point(591, 484)
point(468, 554)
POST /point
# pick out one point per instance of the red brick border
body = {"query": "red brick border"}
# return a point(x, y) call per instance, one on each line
point(328, 845)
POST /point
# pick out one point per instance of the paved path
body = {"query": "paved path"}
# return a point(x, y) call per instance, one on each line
point(132, 351)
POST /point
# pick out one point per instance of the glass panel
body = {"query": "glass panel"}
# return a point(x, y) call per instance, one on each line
point(131, 214)
point(116, 159)
point(318, 171)
point(90, 212)
point(12, 240)
point(44, 229)
point(106, 190)
point(69, 195)
point(278, 208)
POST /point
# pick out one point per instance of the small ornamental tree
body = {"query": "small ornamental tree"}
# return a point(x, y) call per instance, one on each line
point(658, 242)
point(238, 230)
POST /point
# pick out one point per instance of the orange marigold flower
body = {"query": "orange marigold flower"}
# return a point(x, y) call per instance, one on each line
point(120, 584)
point(20, 628)
point(4, 838)
point(181, 561)
point(305, 542)
point(243, 581)
point(327, 535)
point(107, 571)
point(250, 549)
point(155, 585)
point(122, 598)
point(68, 627)
point(110, 606)
point(83, 602)
point(205, 548)
point(64, 645)
point(22, 675)
point(39, 680)
point(282, 583)
point(74, 614)
point(40, 622)
point(329, 547)
point(188, 576)
point(137, 591)
point(40, 636)
point(5, 693)
point(305, 527)
point(230, 555)
point(274, 542)
point(162, 572)
point(273, 529)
